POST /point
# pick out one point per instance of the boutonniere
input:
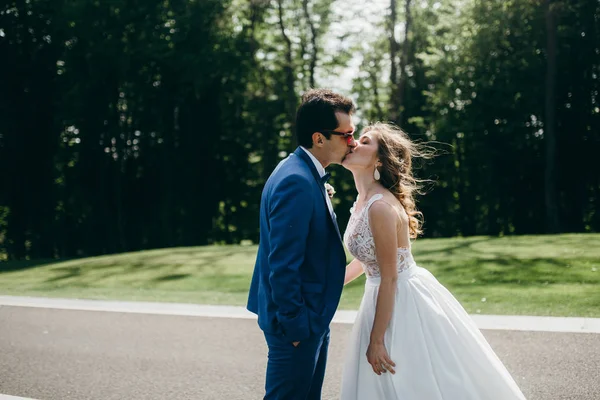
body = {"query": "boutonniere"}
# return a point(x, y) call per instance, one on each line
point(330, 190)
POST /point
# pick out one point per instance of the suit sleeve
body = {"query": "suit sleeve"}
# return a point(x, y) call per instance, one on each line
point(289, 219)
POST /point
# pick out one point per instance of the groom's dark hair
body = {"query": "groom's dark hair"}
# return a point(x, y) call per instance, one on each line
point(317, 112)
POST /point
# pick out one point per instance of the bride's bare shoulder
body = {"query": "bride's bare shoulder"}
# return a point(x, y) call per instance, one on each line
point(383, 208)
point(394, 203)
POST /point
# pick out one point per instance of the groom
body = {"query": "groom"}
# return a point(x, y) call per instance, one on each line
point(300, 266)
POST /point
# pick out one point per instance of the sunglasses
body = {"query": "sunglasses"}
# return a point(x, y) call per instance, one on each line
point(348, 136)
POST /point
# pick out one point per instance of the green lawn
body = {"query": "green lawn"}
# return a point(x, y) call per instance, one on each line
point(531, 275)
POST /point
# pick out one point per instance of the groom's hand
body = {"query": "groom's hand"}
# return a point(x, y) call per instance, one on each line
point(295, 344)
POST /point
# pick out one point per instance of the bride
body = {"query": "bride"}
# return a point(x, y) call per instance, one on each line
point(412, 340)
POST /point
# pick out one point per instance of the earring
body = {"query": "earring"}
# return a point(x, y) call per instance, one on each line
point(376, 174)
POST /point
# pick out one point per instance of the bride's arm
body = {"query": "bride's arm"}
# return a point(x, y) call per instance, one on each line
point(353, 271)
point(382, 220)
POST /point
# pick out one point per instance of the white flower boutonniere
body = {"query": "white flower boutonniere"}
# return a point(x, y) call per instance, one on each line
point(330, 190)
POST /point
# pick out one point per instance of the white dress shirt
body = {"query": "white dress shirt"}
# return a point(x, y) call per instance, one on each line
point(321, 172)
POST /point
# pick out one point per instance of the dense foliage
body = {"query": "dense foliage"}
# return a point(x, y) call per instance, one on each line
point(129, 124)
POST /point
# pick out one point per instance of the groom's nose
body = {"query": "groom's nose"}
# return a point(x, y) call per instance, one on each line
point(352, 143)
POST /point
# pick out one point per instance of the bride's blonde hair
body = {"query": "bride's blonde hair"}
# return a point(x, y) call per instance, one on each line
point(396, 152)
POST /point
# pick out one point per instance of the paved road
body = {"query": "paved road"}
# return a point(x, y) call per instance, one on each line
point(65, 354)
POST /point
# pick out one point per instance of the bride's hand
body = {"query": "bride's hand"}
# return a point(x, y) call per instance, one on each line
point(379, 359)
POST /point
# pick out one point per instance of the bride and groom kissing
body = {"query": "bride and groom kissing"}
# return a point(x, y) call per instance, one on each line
point(411, 340)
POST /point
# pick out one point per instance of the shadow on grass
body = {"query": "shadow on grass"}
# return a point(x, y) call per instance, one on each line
point(200, 256)
point(166, 263)
point(172, 277)
point(506, 271)
point(237, 283)
point(69, 272)
point(562, 246)
point(461, 245)
point(10, 266)
point(122, 270)
point(512, 271)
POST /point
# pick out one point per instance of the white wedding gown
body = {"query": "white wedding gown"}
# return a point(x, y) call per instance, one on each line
point(439, 352)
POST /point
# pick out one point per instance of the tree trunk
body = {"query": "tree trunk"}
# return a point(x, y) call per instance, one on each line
point(375, 85)
point(398, 83)
point(552, 217)
point(393, 105)
point(288, 70)
point(313, 43)
point(403, 62)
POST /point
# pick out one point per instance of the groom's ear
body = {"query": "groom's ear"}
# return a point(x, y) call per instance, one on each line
point(317, 139)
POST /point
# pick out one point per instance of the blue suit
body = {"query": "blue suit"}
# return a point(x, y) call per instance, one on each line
point(298, 278)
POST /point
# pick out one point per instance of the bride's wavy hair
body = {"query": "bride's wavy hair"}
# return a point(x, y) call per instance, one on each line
point(396, 152)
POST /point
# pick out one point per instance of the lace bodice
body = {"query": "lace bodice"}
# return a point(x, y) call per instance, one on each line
point(359, 240)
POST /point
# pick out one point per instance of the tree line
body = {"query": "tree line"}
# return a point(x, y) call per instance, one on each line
point(128, 125)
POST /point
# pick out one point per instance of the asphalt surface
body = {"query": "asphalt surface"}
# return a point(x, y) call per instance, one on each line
point(65, 354)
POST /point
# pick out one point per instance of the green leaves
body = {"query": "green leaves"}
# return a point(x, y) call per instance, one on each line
point(183, 108)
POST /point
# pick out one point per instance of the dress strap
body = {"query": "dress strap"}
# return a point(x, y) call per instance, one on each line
point(365, 208)
point(373, 199)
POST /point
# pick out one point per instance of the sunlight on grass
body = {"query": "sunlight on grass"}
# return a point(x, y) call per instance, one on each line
point(537, 275)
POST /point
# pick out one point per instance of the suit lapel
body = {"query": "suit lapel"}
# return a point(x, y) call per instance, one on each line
point(302, 154)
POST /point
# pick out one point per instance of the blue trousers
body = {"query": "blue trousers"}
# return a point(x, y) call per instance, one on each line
point(296, 373)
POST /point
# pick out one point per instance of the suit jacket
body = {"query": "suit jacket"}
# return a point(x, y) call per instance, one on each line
point(300, 266)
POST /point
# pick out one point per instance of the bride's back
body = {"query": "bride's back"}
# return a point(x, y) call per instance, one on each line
point(402, 229)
